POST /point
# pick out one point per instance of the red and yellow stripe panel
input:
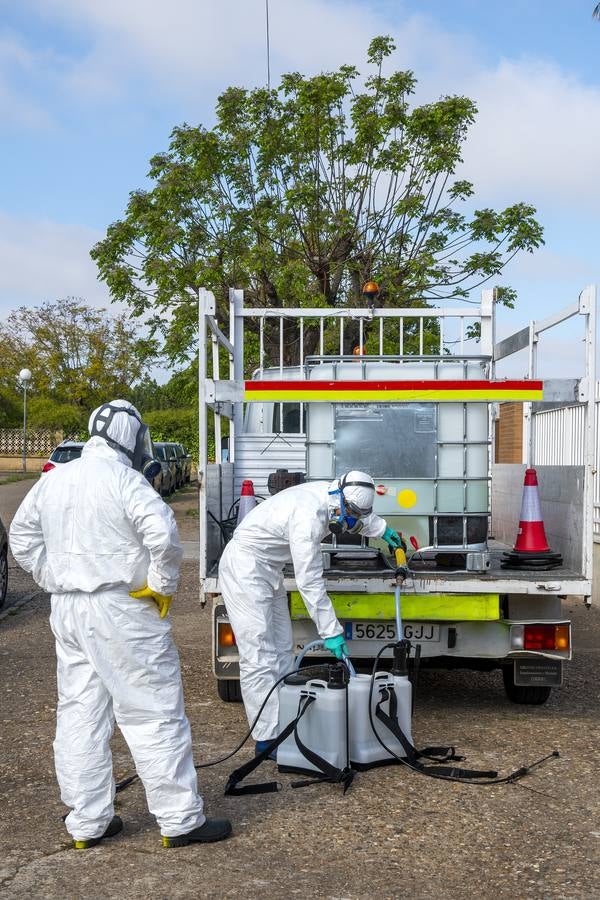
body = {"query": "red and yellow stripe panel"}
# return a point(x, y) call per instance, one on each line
point(391, 391)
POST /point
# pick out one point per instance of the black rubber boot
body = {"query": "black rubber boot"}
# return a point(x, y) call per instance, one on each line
point(114, 827)
point(212, 830)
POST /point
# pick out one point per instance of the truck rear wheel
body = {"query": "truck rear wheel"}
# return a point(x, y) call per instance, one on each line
point(532, 695)
point(229, 690)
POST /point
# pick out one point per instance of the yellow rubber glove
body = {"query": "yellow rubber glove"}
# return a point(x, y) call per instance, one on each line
point(163, 601)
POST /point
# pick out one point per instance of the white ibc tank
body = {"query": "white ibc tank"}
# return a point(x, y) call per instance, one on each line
point(323, 727)
point(365, 750)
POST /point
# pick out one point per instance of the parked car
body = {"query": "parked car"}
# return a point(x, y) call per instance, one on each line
point(67, 451)
point(3, 564)
point(175, 459)
point(64, 453)
point(172, 451)
point(186, 463)
point(169, 467)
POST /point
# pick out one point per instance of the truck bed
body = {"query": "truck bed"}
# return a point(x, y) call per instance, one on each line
point(371, 576)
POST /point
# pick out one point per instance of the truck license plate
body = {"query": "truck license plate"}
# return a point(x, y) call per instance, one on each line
point(422, 632)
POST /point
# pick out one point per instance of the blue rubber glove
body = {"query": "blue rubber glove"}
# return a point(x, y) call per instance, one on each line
point(392, 538)
point(337, 646)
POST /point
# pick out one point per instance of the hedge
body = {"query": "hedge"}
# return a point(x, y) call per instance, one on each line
point(180, 426)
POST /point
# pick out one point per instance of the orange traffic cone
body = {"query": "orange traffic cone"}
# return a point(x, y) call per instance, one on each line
point(247, 500)
point(531, 548)
point(532, 534)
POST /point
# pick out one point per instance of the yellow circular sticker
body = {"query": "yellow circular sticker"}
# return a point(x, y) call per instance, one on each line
point(407, 498)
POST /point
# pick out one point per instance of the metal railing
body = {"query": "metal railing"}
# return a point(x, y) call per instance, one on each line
point(578, 395)
point(560, 440)
point(219, 397)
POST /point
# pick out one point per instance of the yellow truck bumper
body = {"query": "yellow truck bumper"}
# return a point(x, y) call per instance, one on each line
point(416, 607)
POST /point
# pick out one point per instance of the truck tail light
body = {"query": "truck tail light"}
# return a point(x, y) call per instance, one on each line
point(225, 635)
point(562, 637)
point(540, 637)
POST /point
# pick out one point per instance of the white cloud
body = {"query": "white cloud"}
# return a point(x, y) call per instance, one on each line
point(537, 135)
point(201, 37)
point(546, 263)
point(44, 260)
point(538, 129)
point(17, 106)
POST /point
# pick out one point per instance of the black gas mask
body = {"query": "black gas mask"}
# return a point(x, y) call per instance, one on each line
point(142, 456)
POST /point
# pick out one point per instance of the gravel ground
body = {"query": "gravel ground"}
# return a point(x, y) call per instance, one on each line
point(394, 834)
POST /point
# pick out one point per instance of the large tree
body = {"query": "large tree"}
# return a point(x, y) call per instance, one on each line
point(79, 355)
point(300, 194)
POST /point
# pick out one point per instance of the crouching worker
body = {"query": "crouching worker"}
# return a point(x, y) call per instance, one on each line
point(96, 535)
point(288, 527)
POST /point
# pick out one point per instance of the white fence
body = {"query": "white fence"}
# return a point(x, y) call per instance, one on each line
point(40, 441)
point(559, 440)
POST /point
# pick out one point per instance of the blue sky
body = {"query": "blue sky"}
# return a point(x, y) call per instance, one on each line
point(89, 91)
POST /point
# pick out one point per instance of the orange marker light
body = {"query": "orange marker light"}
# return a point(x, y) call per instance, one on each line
point(225, 635)
point(561, 637)
point(371, 288)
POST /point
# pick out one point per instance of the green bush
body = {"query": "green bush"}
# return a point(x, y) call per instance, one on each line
point(11, 411)
point(178, 425)
point(42, 412)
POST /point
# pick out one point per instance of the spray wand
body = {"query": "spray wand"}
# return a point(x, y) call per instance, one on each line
point(401, 573)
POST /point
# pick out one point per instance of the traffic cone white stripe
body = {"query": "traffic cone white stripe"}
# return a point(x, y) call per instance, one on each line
point(531, 509)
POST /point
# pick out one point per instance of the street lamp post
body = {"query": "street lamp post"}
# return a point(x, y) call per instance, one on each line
point(25, 378)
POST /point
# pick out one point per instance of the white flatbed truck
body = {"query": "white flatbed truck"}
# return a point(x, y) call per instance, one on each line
point(420, 419)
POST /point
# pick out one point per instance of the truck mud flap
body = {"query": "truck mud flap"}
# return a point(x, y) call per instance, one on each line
point(538, 672)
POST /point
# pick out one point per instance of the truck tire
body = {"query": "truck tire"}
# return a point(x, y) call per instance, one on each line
point(532, 695)
point(229, 690)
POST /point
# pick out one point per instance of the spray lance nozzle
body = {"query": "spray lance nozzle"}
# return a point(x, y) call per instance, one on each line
point(401, 656)
point(338, 676)
point(401, 566)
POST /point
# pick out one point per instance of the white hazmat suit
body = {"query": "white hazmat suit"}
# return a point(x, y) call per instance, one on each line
point(90, 531)
point(288, 527)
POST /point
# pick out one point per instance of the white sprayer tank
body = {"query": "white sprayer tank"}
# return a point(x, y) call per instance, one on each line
point(365, 750)
point(323, 728)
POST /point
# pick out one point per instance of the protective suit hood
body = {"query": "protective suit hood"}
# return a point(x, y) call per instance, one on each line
point(120, 425)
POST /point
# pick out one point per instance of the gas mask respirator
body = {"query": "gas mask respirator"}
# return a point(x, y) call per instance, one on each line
point(142, 456)
point(350, 518)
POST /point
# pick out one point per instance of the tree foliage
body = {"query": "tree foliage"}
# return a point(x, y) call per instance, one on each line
point(80, 356)
point(302, 193)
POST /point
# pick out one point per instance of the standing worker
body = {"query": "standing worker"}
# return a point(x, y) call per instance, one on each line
point(288, 527)
point(96, 535)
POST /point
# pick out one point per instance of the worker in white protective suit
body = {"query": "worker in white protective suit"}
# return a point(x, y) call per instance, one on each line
point(288, 527)
point(96, 535)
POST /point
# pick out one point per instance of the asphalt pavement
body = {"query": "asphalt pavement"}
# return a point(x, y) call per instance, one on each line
point(394, 834)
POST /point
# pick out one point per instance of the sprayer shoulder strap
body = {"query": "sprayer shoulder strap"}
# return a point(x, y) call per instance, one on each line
point(329, 772)
point(413, 755)
point(391, 723)
point(267, 787)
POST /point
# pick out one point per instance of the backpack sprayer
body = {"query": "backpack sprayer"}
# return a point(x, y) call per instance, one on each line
point(334, 722)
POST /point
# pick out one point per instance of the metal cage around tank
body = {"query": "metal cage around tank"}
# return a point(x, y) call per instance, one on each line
point(280, 356)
